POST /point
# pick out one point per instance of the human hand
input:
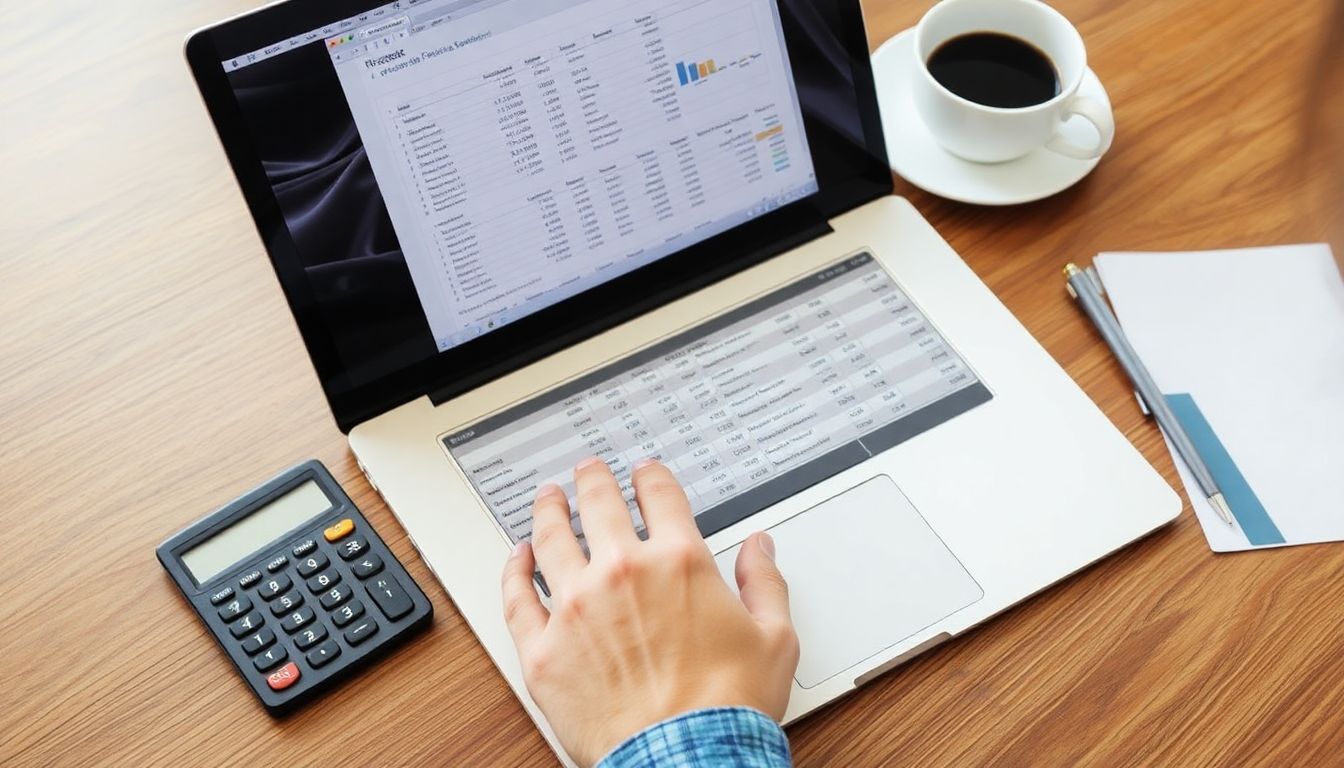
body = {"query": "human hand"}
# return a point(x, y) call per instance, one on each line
point(644, 630)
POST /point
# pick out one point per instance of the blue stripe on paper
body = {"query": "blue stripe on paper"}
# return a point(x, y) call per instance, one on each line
point(1250, 514)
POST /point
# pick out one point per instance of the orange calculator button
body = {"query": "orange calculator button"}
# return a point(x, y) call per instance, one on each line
point(340, 530)
point(283, 677)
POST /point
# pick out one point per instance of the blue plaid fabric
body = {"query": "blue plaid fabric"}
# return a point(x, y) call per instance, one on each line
point(708, 738)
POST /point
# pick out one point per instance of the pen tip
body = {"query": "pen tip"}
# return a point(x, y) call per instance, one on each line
point(1220, 506)
point(1071, 269)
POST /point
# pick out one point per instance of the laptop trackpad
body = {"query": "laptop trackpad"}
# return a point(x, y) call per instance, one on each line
point(865, 572)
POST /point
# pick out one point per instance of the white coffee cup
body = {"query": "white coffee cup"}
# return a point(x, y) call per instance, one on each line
point(985, 134)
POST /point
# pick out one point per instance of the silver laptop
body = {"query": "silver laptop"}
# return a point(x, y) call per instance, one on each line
point(515, 233)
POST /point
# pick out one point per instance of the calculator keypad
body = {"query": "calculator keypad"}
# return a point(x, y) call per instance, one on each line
point(322, 624)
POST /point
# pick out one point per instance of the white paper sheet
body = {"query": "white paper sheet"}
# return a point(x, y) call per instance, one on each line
point(1256, 336)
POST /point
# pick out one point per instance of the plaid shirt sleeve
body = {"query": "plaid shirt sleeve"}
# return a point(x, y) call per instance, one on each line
point(707, 738)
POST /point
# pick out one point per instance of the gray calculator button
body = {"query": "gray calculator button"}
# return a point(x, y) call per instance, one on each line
point(298, 619)
point(270, 658)
point(287, 603)
point(235, 608)
point(248, 624)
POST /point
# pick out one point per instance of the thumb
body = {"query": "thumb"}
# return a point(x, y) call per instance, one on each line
point(763, 589)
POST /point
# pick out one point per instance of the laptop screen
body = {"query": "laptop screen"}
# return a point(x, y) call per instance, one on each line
point(528, 150)
point(446, 187)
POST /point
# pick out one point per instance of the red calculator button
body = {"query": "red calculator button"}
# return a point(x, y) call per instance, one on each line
point(283, 677)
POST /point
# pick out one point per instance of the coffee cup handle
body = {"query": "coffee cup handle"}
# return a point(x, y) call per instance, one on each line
point(1094, 112)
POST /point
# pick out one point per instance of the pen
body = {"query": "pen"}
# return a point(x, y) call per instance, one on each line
point(1082, 288)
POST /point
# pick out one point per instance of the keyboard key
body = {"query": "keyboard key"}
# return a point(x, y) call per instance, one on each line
point(283, 677)
point(274, 586)
point(347, 613)
point(249, 623)
point(312, 564)
point(235, 608)
point(335, 596)
point(297, 619)
point(304, 547)
point(361, 632)
point(367, 566)
point(287, 603)
point(323, 654)
point(221, 595)
point(259, 641)
point(307, 638)
point(324, 580)
point(279, 562)
point(352, 547)
point(386, 591)
point(270, 658)
point(250, 578)
point(340, 530)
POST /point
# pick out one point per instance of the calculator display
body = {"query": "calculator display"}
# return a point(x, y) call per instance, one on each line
point(209, 558)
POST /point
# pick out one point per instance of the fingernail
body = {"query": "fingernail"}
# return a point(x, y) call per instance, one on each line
point(646, 462)
point(768, 545)
point(547, 488)
point(517, 549)
point(586, 463)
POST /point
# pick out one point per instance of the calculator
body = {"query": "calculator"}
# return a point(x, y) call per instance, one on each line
point(296, 586)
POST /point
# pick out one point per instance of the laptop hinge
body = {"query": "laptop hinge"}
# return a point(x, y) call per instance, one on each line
point(802, 227)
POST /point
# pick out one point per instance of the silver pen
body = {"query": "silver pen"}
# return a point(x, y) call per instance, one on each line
point(1082, 288)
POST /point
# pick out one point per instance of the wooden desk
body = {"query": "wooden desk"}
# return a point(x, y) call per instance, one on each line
point(149, 370)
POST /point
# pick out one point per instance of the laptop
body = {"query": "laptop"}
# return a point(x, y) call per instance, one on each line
point(516, 233)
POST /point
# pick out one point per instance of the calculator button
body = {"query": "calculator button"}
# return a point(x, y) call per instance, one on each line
point(304, 547)
point(283, 677)
point(347, 613)
point(386, 591)
point(361, 632)
point(248, 623)
point(221, 596)
point(250, 578)
point(311, 636)
point(352, 548)
point(257, 642)
point(323, 654)
point(279, 562)
point(287, 603)
point(335, 596)
point(322, 581)
point(367, 566)
point(340, 530)
point(235, 608)
point(312, 564)
point(270, 658)
point(274, 586)
point(299, 618)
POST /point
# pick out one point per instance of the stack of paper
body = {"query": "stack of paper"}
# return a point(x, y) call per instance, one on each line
point(1248, 347)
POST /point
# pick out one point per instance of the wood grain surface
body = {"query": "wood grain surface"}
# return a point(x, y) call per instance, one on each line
point(149, 370)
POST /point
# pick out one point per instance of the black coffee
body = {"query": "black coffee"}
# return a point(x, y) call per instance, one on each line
point(995, 70)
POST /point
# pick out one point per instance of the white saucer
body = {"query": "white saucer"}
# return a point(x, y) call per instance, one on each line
point(920, 160)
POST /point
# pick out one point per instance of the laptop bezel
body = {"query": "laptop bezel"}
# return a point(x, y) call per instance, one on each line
point(474, 363)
